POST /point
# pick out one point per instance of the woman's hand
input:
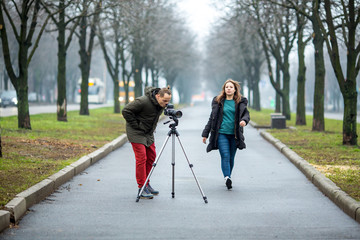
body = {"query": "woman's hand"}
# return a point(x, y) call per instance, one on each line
point(204, 140)
point(243, 123)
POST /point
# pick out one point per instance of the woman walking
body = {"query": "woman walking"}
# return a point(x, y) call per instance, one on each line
point(228, 116)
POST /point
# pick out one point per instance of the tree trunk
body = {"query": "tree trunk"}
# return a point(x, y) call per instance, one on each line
point(137, 75)
point(116, 96)
point(170, 77)
point(22, 88)
point(156, 77)
point(318, 112)
point(256, 91)
point(125, 75)
point(153, 77)
point(277, 95)
point(6, 80)
point(126, 88)
point(84, 66)
point(23, 104)
point(350, 96)
point(146, 76)
point(61, 73)
point(286, 89)
point(349, 119)
point(301, 78)
point(84, 103)
point(250, 96)
point(85, 55)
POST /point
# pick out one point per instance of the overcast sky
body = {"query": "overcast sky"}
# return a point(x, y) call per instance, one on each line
point(199, 14)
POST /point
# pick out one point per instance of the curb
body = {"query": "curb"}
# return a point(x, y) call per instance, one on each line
point(4, 219)
point(17, 207)
point(346, 203)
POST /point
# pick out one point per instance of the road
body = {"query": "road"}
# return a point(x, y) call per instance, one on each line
point(335, 115)
point(270, 199)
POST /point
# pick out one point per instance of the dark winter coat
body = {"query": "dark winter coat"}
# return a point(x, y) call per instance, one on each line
point(215, 120)
point(142, 116)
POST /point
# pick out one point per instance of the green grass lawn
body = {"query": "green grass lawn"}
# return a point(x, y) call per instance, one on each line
point(30, 156)
point(324, 150)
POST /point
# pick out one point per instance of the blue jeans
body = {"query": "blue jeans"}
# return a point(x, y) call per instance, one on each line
point(227, 148)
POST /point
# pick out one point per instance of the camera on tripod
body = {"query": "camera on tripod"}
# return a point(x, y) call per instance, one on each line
point(171, 112)
point(173, 115)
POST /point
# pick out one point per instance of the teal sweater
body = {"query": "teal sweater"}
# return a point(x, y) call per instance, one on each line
point(227, 125)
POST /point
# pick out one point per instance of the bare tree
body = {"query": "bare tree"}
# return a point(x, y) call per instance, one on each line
point(301, 78)
point(311, 11)
point(64, 20)
point(249, 54)
point(42, 70)
point(23, 17)
point(278, 35)
point(112, 39)
point(344, 15)
point(136, 20)
point(86, 48)
point(13, 49)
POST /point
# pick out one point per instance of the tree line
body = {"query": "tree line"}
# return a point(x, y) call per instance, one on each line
point(261, 34)
point(145, 40)
point(136, 38)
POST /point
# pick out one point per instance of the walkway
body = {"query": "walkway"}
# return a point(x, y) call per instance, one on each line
point(271, 198)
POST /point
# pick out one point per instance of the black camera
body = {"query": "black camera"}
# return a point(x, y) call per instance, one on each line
point(171, 112)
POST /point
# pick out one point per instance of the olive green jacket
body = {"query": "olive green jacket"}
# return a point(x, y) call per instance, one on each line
point(142, 116)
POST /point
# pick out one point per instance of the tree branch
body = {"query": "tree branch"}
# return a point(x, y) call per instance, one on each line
point(49, 12)
point(16, 7)
point(29, 4)
point(33, 21)
point(269, 65)
point(358, 16)
point(72, 31)
point(11, 22)
point(357, 68)
point(6, 51)
point(346, 16)
point(38, 39)
point(106, 56)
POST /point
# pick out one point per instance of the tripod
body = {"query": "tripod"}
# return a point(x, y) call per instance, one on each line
point(172, 133)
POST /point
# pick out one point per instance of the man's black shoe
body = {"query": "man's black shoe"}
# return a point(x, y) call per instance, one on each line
point(145, 194)
point(151, 190)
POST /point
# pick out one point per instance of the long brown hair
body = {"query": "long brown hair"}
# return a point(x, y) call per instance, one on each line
point(237, 94)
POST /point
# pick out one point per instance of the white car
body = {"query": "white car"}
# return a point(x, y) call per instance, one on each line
point(8, 98)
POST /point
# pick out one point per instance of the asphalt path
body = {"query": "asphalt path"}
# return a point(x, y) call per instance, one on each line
point(270, 199)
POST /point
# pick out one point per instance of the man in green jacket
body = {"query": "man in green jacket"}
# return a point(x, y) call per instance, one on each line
point(141, 117)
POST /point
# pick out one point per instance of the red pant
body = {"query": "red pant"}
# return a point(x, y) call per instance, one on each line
point(145, 157)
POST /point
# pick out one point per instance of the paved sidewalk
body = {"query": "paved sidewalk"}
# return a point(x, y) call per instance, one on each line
point(271, 198)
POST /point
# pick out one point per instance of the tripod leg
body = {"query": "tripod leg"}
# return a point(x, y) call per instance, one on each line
point(191, 166)
point(173, 166)
point(152, 169)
